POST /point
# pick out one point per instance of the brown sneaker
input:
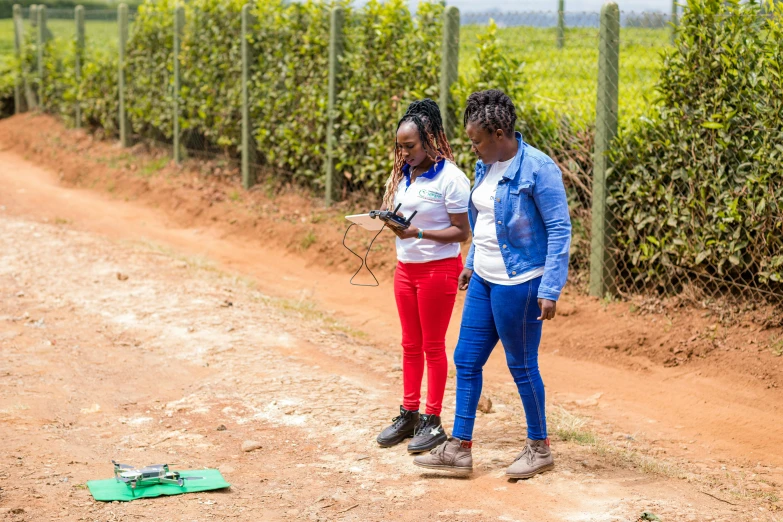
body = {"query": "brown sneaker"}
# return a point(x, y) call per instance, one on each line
point(534, 459)
point(453, 455)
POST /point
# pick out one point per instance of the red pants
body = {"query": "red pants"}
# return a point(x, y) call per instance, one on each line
point(425, 294)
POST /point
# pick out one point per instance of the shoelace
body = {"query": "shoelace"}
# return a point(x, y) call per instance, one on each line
point(396, 421)
point(527, 452)
point(420, 427)
point(438, 450)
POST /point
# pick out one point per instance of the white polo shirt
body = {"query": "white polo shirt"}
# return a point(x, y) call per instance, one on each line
point(444, 189)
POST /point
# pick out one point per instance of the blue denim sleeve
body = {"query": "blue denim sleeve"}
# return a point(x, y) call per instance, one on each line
point(471, 252)
point(550, 198)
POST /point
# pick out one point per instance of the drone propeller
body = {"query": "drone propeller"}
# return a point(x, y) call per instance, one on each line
point(122, 466)
point(192, 478)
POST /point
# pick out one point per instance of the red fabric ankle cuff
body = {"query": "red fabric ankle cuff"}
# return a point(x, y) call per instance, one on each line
point(467, 444)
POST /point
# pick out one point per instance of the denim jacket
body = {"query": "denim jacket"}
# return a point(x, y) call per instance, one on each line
point(531, 218)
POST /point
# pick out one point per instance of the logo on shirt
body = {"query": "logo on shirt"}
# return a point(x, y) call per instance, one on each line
point(430, 195)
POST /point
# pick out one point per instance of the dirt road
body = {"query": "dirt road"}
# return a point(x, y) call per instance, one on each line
point(209, 331)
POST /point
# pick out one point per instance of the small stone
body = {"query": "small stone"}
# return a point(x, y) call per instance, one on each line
point(222, 427)
point(20, 294)
point(396, 367)
point(251, 445)
point(121, 276)
point(485, 404)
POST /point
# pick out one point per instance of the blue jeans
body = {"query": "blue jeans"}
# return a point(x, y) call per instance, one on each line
point(507, 313)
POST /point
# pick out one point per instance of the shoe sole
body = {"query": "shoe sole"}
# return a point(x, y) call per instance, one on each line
point(548, 467)
point(394, 442)
point(432, 445)
point(453, 469)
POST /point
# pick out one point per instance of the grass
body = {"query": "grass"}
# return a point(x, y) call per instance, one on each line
point(154, 166)
point(572, 428)
point(776, 346)
point(97, 32)
point(307, 310)
point(308, 240)
point(565, 80)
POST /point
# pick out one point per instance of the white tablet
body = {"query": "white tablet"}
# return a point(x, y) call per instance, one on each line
point(365, 221)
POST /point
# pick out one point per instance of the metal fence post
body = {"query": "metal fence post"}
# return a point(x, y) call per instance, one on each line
point(40, 42)
point(560, 24)
point(449, 68)
point(675, 20)
point(29, 84)
point(122, 15)
point(605, 131)
point(79, 19)
point(18, 42)
point(179, 22)
point(336, 49)
point(248, 144)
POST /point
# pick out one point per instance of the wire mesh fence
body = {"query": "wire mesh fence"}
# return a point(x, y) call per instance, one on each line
point(683, 211)
point(291, 93)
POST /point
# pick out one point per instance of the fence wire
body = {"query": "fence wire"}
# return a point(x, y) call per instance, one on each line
point(584, 93)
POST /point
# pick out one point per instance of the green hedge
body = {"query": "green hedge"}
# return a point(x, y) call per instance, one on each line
point(696, 188)
point(149, 69)
point(391, 58)
point(8, 69)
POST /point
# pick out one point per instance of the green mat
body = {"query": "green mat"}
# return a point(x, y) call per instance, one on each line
point(109, 490)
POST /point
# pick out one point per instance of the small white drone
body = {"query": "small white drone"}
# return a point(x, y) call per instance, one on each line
point(149, 475)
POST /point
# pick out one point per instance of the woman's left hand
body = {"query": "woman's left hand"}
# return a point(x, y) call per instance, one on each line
point(408, 233)
point(548, 309)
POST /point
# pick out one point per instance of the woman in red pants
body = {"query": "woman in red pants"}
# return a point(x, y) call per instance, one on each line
point(426, 180)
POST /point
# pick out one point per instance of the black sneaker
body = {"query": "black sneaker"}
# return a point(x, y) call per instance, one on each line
point(429, 434)
point(402, 427)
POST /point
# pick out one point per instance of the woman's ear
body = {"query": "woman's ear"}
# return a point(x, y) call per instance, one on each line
point(499, 134)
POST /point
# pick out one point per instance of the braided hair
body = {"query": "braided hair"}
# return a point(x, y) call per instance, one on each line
point(491, 109)
point(425, 114)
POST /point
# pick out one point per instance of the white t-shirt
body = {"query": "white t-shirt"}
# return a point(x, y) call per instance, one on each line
point(487, 259)
point(444, 189)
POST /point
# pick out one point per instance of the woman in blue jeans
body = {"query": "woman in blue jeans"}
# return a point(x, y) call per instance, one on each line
point(514, 273)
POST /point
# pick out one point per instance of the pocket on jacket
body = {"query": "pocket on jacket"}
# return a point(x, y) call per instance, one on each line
point(521, 198)
point(520, 228)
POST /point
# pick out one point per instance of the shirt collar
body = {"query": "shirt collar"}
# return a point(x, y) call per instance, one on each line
point(433, 171)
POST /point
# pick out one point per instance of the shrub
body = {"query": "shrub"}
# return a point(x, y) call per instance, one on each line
point(148, 69)
point(289, 92)
point(696, 189)
point(211, 65)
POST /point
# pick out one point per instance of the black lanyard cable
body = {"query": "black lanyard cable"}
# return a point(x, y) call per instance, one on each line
point(363, 259)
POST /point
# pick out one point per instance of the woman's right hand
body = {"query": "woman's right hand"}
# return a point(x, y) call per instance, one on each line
point(464, 278)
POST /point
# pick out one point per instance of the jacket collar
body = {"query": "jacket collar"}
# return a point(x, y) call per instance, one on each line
point(512, 169)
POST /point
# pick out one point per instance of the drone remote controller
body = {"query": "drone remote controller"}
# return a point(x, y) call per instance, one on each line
point(392, 219)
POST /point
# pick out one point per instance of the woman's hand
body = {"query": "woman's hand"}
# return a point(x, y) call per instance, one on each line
point(548, 309)
point(408, 233)
point(464, 278)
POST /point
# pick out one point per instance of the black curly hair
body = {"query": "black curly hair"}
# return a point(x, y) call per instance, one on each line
point(492, 109)
point(425, 114)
